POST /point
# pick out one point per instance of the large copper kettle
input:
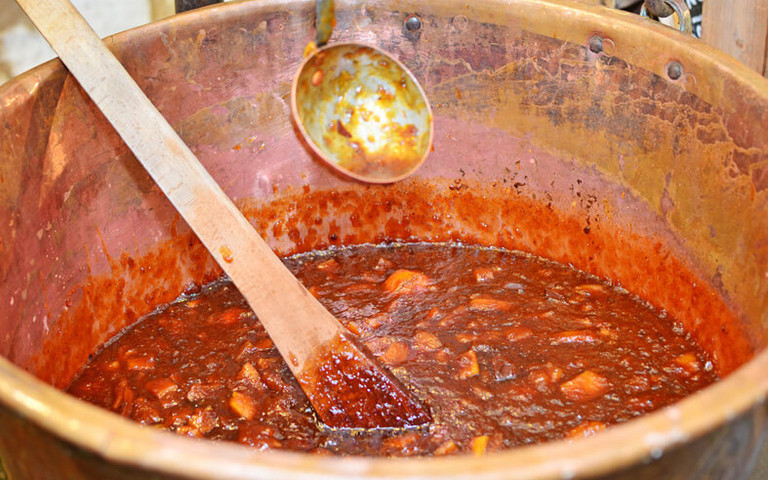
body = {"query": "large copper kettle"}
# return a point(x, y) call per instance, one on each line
point(582, 134)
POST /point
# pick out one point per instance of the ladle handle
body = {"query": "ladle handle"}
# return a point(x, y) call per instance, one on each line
point(281, 302)
point(325, 19)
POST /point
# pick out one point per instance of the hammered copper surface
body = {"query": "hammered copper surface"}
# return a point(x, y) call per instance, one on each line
point(587, 155)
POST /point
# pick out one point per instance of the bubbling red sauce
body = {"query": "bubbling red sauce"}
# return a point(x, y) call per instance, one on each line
point(505, 348)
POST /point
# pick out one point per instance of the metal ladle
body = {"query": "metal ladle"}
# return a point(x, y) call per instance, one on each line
point(359, 109)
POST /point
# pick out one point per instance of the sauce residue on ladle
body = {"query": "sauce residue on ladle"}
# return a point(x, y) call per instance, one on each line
point(362, 112)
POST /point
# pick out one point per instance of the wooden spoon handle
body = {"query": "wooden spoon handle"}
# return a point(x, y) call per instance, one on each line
point(268, 286)
point(304, 332)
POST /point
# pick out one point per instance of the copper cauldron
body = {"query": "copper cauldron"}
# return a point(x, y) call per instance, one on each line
point(582, 134)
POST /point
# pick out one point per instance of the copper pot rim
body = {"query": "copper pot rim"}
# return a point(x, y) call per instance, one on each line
point(648, 437)
point(118, 439)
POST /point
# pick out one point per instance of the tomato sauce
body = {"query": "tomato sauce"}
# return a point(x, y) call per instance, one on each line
point(505, 348)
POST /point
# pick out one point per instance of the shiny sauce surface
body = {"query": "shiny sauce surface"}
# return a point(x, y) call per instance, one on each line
point(505, 348)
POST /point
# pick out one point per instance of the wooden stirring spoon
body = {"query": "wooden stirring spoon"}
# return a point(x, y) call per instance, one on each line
point(345, 385)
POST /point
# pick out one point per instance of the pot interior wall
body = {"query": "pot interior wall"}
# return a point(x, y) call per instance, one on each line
point(542, 145)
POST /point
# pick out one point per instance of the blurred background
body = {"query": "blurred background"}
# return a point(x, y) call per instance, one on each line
point(22, 48)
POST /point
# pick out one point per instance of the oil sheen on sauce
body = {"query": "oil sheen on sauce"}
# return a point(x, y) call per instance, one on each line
point(505, 348)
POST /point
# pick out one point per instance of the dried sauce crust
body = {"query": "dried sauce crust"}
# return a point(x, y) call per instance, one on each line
point(507, 349)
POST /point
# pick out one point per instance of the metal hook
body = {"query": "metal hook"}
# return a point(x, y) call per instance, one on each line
point(184, 5)
point(656, 9)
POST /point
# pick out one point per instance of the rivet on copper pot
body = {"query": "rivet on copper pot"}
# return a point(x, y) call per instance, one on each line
point(412, 23)
point(460, 22)
point(674, 70)
point(595, 44)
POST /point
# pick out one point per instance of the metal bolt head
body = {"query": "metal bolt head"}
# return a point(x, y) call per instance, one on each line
point(595, 44)
point(674, 70)
point(412, 23)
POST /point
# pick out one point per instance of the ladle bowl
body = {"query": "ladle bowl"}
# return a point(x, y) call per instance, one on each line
point(363, 112)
